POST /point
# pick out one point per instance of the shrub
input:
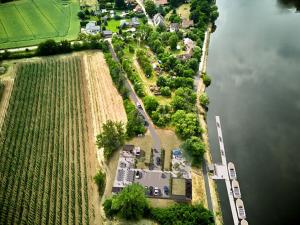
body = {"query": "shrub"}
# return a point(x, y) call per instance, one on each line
point(165, 91)
point(150, 104)
point(195, 148)
point(99, 179)
point(206, 79)
point(204, 100)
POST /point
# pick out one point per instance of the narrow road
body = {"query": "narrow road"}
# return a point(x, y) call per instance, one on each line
point(133, 97)
point(143, 8)
point(200, 88)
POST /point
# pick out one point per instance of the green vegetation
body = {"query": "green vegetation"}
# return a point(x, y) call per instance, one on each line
point(42, 146)
point(113, 25)
point(111, 138)
point(25, 22)
point(195, 148)
point(206, 79)
point(204, 100)
point(186, 124)
point(145, 63)
point(150, 104)
point(99, 179)
point(131, 203)
point(135, 124)
point(150, 8)
point(180, 214)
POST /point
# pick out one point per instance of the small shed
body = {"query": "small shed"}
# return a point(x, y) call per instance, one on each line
point(107, 33)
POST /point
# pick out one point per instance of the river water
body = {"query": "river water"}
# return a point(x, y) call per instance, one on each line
point(254, 62)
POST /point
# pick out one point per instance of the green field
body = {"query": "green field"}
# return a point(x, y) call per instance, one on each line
point(28, 22)
point(43, 146)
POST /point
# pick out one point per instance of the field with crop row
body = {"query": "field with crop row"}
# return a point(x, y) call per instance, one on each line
point(43, 150)
point(28, 22)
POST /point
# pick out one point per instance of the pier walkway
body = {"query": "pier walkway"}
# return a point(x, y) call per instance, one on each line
point(225, 175)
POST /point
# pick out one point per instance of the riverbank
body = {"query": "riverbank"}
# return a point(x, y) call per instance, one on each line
point(211, 185)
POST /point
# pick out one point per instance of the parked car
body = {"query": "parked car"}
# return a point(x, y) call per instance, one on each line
point(151, 190)
point(138, 175)
point(156, 191)
point(166, 190)
point(139, 105)
point(158, 161)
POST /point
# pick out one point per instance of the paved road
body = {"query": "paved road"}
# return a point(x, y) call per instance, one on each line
point(133, 96)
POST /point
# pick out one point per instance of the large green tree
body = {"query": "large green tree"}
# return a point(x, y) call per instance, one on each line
point(130, 203)
point(111, 138)
point(150, 104)
point(195, 148)
point(150, 8)
point(120, 4)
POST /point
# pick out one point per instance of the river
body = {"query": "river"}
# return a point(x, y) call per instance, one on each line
point(254, 62)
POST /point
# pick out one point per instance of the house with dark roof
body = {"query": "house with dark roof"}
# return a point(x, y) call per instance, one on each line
point(107, 33)
point(186, 23)
point(158, 20)
point(174, 27)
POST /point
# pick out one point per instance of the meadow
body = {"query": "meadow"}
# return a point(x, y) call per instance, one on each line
point(26, 22)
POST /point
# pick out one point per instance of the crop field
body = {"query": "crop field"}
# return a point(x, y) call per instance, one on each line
point(26, 22)
point(43, 146)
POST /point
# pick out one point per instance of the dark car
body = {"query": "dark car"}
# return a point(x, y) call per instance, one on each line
point(158, 161)
point(166, 190)
point(151, 190)
point(138, 175)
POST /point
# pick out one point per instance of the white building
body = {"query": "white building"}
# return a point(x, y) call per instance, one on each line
point(92, 28)
point(158, 20)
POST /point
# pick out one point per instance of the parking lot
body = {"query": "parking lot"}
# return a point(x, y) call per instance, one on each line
point(153, 180)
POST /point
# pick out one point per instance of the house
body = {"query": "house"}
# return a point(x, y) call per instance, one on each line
point(189, 44)
point(161, 2)
point(138, 9)
point(174, 27)
point(123, 14)
point(184, 56)
point(103, 11)
point(92, 28)
point(187, 23)
point(107, 33)
point(123, 23)
point(135, 22)
point(158, 20)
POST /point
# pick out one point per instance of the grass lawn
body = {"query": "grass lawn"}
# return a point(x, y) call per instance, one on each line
point(112, 25)
point(184, 11)
point(25, 22)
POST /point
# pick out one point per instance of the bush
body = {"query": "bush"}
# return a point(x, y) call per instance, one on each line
point(185, 99)
point(204, 100)
point(145, 63)
point(99, 179)
point(130, 204)
point(206, 79)
point(165, 91)
point(135, 124)
point(182, 214)
point(150, 104)
point(195, 148)
point(186, 124)
point(162, 116)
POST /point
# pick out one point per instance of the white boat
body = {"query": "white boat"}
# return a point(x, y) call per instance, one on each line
point(231, 171)
point(236, 189)
point(244, 222)
point(240, 209)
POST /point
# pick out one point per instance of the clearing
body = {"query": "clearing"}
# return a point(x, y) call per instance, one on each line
point(26, 22)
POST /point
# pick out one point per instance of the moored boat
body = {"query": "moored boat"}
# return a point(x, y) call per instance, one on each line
point(244, 222)
point(240, 209)
point(231, 171)
point(236, 189)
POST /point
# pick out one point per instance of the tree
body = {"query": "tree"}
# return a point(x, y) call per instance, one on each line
point(150, 104)
point(185, 99)
point(184, 213)
point(65, 46)
point(130, 204)
point(111, 138)
point(195, 148)
point(150, 8)
point(165, 91)
point(173, 40)
point(49, 47)
point(204, 100)
point(206, 79)
point(99, 179)
point(81, 15)
point(186, 124)
point(120, 4)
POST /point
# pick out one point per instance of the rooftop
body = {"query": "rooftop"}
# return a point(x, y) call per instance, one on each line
point(178, 186)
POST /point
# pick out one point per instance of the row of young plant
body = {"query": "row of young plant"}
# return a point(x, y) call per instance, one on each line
point(37, 155)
